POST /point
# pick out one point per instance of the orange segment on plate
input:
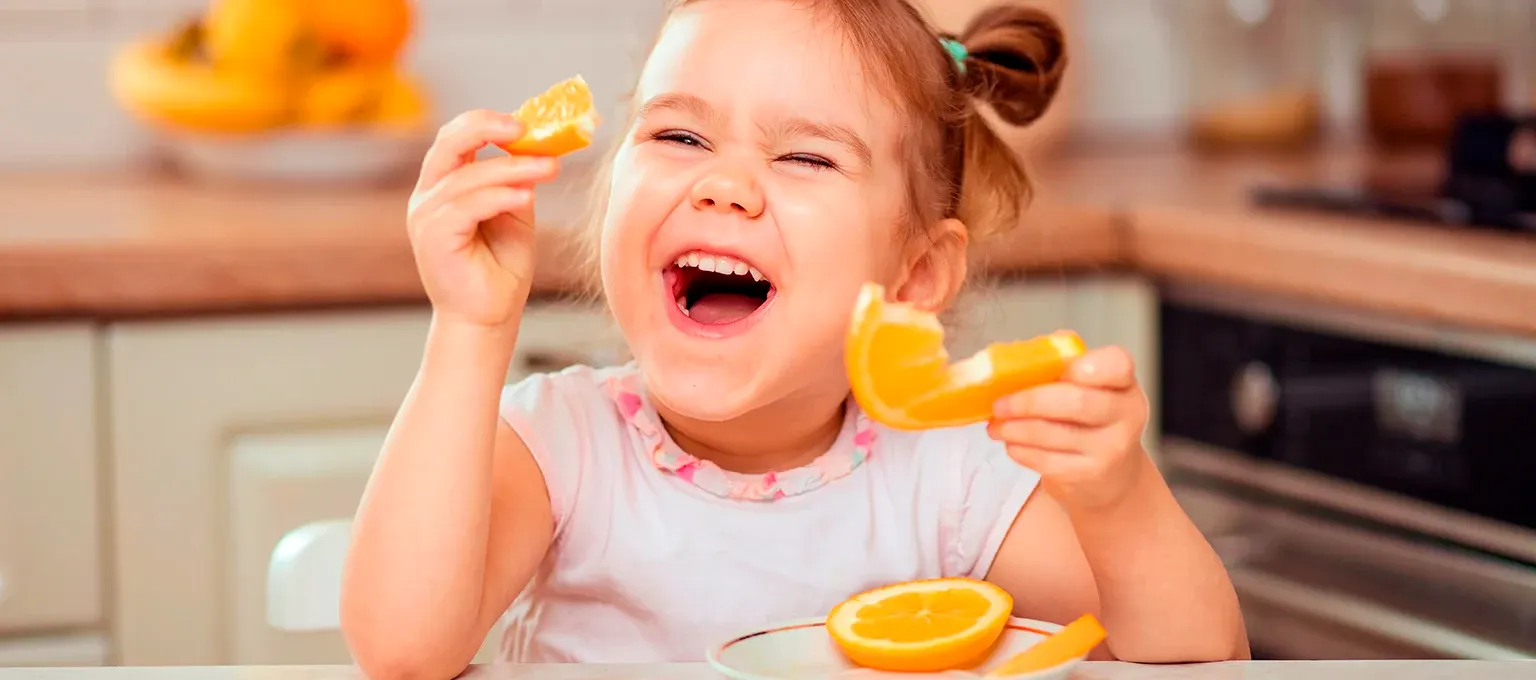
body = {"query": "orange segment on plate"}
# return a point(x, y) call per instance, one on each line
point(1072, 642)
point(901, 375)
point(560, 120)
point(921, 626)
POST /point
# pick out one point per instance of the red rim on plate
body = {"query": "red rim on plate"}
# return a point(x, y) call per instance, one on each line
point(719, 651)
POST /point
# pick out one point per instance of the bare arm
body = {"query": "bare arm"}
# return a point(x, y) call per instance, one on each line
point(1141, 566)
point(456, 516)
point(454, 521)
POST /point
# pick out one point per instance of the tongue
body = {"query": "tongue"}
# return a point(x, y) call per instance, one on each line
point(721, 308)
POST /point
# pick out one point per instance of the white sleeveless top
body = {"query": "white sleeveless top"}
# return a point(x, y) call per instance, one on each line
point(658, 556)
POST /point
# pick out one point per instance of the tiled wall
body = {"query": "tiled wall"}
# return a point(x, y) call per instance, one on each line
point(55, 109)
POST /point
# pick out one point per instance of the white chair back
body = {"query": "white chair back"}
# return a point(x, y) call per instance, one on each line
point(304, 577)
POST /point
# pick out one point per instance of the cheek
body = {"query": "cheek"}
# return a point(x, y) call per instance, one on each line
point(640, 196)
point(842, 233)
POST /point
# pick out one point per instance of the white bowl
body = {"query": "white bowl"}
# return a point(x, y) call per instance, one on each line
point(299, 156)
point(802, 650)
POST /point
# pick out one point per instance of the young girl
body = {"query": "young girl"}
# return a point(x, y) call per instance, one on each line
point(780, 154)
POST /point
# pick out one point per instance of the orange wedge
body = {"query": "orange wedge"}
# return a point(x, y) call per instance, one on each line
point(901, 375)
point(921, 626)
point(560, 120)
point(1071, 642)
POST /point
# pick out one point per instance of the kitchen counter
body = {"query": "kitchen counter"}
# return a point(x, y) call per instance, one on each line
point(1190, 219)
point(115, 246)
point(112, 246)
point(1249, 670)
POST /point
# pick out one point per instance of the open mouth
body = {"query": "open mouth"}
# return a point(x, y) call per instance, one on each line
point(716, 290)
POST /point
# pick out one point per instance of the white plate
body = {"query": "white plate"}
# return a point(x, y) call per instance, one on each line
point(802, 650)
point(299, 156)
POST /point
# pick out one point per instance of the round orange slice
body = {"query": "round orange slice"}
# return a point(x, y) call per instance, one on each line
point(902, 377)
point(559, 120)
point(921, 626)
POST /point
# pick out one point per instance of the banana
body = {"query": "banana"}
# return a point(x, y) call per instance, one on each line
point(162, 81)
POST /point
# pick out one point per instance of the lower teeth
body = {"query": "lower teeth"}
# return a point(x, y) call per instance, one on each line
point(682, 304)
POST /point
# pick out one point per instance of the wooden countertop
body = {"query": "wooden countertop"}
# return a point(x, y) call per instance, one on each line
point(1190, 220)
point(120, 246)
point(1092, 670)
point(116, 246)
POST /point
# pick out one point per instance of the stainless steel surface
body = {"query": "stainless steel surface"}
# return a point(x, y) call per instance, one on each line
point(1498, 347)
point(1327, 568)
point(1323, 589)
point(1347, 497)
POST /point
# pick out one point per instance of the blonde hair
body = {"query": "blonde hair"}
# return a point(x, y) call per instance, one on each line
point(1014, 58)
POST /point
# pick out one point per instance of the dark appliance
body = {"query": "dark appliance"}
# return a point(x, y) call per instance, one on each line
point(1370, 482)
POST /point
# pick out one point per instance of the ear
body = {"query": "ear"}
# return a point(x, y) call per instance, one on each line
point(935, 267)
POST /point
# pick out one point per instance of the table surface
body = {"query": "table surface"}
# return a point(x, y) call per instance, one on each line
point(1249, 670)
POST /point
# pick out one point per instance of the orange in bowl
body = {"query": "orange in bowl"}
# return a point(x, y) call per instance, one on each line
point(559, 120)
point(902, 377)
point(921, 626)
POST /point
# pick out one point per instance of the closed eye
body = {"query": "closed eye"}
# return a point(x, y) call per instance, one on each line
point(680, 137)
point(811, 160)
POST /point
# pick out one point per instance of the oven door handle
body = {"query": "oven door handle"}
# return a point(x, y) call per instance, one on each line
point(1364, 615)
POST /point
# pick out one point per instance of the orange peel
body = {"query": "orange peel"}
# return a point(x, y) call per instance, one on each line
point(901, 375)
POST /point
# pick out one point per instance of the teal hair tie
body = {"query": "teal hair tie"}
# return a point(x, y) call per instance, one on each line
point(956, 51)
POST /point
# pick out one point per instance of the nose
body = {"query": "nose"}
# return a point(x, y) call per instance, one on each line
point(727, 192)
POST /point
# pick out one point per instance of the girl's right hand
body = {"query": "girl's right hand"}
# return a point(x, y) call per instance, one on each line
point(471, 223)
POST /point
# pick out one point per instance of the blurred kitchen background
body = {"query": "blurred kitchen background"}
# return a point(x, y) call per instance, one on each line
point(1308, 219)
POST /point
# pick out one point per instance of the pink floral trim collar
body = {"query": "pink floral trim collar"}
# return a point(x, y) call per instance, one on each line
point(625, 390)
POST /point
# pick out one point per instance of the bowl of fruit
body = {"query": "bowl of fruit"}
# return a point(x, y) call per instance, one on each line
point(295, 90)
point(938, 628)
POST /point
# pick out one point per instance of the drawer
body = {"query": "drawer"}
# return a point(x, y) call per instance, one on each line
point(50, 538)
point(86, 649)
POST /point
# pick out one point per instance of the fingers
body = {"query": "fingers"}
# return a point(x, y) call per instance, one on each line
point(1044, 435)
point(467, 212)
point(460, 138)
point(1049, 463)
point(1063, 402)
point(511, 171)
point(1106, 367)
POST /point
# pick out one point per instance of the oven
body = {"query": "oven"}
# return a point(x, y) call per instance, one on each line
point(1370, 483)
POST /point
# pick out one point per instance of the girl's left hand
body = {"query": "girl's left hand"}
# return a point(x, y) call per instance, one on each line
point(1082, 434)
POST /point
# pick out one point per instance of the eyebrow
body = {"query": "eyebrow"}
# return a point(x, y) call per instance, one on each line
point(800, 127)
point(793, 126)
point(685, 103)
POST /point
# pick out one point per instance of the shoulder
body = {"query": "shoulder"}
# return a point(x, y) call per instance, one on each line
point(575, 397)
point(566, 419)
point(967, 448)
point(976, 488)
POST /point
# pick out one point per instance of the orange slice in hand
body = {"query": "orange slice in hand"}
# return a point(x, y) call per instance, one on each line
point(921, 626)
point(902, 377)
point(1072, 642)
point(560, 120)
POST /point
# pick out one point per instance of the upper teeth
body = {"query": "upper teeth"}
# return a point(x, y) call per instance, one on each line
point(722, 264)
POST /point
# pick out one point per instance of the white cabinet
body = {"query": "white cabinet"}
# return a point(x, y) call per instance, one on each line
point(222, 435)
point(1108, 309)
point(73, 650)
point(50, 537)
point(227, 434)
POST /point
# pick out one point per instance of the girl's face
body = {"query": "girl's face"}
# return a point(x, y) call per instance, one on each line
point(756, 190)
